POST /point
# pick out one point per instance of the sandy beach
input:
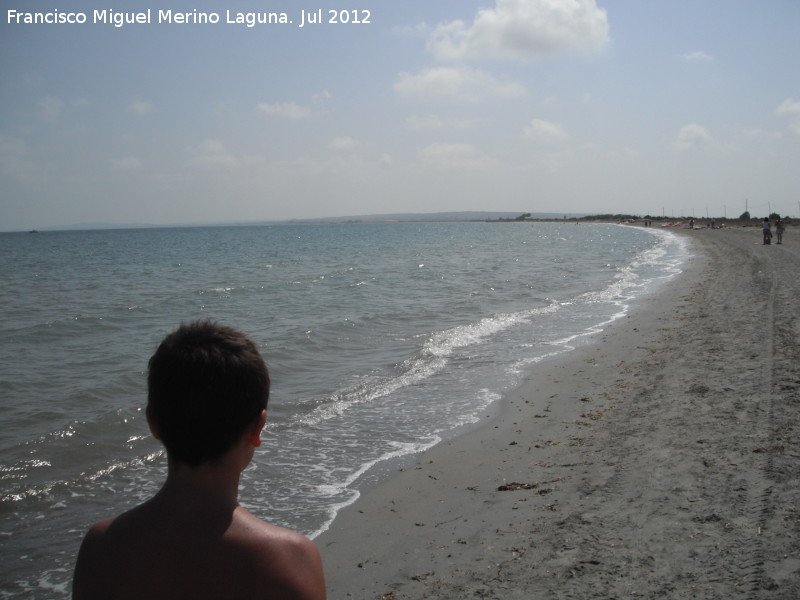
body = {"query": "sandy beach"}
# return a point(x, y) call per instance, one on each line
point(659, 461)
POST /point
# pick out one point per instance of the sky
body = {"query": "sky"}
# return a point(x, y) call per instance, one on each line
point(648, 107)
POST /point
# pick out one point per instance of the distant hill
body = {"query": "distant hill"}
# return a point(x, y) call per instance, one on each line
point(377, 218)
point(440, 216)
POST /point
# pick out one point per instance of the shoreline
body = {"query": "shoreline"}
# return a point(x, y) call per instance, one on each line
point(630, 466)
point(383, 467)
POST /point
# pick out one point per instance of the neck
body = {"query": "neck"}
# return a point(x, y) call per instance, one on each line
point(212, 486)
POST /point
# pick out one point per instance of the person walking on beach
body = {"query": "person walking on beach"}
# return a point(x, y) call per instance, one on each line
point(207, 397)
point(779, 230)
point(765, 229)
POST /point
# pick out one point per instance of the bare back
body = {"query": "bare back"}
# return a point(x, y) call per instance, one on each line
point(155, 553)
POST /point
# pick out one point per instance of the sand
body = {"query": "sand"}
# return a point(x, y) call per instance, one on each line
point(660, 461)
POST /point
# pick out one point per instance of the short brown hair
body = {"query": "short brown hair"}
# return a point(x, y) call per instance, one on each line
point(206, 383)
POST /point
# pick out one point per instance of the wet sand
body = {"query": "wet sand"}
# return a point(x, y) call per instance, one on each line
point(660, 461)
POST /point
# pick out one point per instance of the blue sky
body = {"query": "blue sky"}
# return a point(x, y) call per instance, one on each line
point(574, 106)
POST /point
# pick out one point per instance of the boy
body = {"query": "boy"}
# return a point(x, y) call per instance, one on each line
point(207, 397)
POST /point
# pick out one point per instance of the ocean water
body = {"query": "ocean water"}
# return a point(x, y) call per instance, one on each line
point(382, 339)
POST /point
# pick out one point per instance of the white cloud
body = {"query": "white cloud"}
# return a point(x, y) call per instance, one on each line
point(696, 56)
point(692, 136)
point(344, 144)
point(418, 30)
point(790, 108)
point(545, 131)
point(141, 107)
point(433, 122)
point(129, 163)
point(463, 82)
point(53, 107)
point(292, 110)
point(213, 153)
point(524, 29)
point(455, 157)
point(287, 110)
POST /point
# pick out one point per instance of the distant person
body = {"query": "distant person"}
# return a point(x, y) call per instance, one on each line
point(765, 228)
point(207, 397)
point(779, 230)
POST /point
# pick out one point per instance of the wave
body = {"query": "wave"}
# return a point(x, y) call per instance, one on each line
point(432, 358)
point(351, 494)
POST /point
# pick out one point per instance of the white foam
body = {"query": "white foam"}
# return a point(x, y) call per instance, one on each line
point(432, 359)
point(343, 487)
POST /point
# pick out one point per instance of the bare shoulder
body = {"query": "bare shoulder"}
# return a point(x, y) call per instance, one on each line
point(284, 558)
point(249, 524)
point(90, 568)
point(102, 551)
point(196, 558)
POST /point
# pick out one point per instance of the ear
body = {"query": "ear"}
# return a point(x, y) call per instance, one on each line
point(151, 423)
point(257, 428)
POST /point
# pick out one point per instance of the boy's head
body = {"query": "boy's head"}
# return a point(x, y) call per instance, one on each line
point(206, 384)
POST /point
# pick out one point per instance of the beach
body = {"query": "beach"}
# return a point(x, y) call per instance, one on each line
point(382, 339)
point(658, 461)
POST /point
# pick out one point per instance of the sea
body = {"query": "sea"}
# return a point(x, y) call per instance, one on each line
point(382, 340)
